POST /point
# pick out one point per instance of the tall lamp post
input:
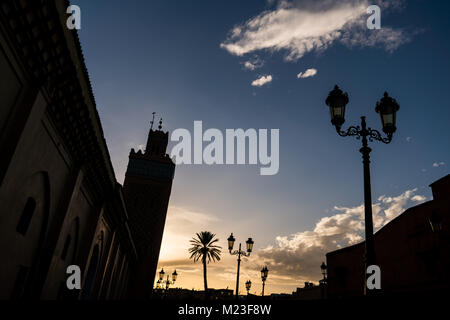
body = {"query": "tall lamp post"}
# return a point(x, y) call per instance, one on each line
point(248, 285)
point(387, 108)
point(323, 282)
point(264, 274)
point(164, 284)
point(239, 252)
point(323, 268)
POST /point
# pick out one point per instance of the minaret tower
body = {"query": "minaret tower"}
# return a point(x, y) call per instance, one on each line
point(146, 189)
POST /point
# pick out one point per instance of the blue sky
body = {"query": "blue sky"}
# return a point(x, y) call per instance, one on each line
point(166, 57)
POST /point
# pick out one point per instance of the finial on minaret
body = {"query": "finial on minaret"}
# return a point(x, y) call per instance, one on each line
point(157, 139)
point(153, 120)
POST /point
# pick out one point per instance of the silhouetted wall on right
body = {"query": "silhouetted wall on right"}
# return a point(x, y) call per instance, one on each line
point(412, 251)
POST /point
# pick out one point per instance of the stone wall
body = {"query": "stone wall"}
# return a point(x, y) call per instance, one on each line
point(60, 204)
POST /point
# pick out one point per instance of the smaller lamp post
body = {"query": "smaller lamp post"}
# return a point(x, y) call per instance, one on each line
point(323, 268)
point(166, 283)
point(248, 285)
point(264, 274)
point(323, 282)
point(239, 252)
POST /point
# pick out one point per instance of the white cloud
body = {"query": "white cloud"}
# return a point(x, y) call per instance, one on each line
point(262, 81)
point(308, 26)
point(308, 73)
point(299, 255)
point(438, 164)
point(250, 66)
point(253, 63)
point(418, 198)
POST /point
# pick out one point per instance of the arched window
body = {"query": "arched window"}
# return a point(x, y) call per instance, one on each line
point(27, 215)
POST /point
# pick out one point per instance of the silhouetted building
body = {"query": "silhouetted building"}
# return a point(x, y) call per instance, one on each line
point(186, 294)
point(147, 187)
point(280, 296)
point(308, 292)
point(60, 204)
point(412, 251)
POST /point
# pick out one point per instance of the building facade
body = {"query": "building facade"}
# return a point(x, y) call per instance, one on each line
point(60, 203)
point(412, 251)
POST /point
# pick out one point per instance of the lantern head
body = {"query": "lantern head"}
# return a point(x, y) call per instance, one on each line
point(249, 243)
point(336, 101)
point(387, 108)
point(231, 241)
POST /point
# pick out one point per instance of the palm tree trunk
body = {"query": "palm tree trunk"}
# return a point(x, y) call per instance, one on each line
point(204, 276)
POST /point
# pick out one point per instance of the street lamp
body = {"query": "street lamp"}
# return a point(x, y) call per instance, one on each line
point(386, 108)
point(323, 268)
point(248, 285)
point(239, 252)
point(323, 282)
point(164, 284)
point(264, 274)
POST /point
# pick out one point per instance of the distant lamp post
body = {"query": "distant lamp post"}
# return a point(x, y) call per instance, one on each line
point(248, 286)
point(323, 282)
point(387, 108)
point(323, 268)
point(435, 222)
point(165, 284)
point(239, 252)
point(264, 274)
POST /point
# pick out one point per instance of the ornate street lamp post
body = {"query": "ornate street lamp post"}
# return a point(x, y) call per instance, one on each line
point(248, 285)
point(264, 274)
point(323, 282)
point(239, 252)
point(323, 268)
point(386, 108)
point(164, 284)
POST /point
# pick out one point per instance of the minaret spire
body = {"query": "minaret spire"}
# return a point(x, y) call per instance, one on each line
point(157, 139)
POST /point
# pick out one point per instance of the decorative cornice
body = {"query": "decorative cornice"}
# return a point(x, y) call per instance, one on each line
point(52, 59)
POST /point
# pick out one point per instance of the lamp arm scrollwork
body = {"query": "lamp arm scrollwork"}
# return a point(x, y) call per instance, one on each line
point(358, 133)
point(242, 253)
point(376, 135)
point(351, 131)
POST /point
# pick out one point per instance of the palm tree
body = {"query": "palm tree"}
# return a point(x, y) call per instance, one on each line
point(203, 247)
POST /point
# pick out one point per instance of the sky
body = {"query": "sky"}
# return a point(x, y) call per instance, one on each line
point(270, 65)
